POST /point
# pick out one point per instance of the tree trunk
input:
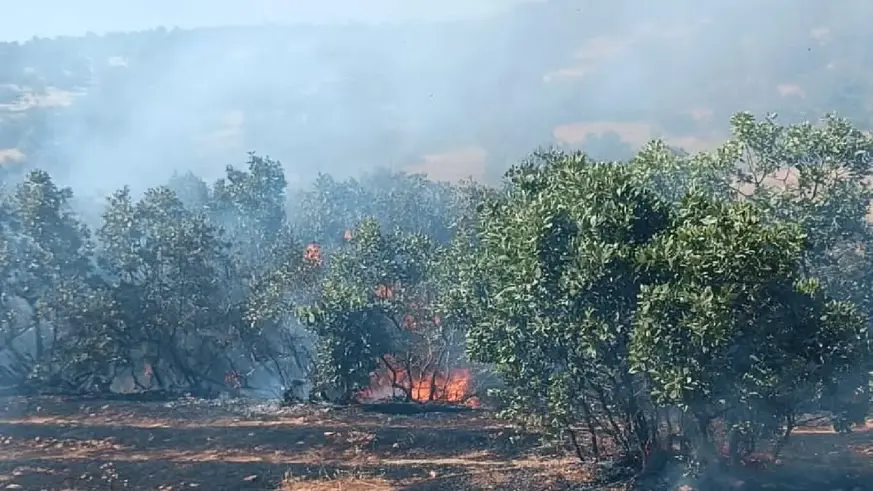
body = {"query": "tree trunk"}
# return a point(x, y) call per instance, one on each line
point(734, 446)
point(577, 448)
point(592, 430)
point(39, 345)
point(780, 443)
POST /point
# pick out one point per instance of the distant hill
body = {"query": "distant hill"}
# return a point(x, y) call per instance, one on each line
point(452, 99)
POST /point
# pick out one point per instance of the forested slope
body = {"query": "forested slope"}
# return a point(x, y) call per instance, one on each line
point(452, 98)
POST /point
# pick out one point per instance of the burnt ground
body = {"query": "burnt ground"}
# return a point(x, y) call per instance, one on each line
point(63, 444)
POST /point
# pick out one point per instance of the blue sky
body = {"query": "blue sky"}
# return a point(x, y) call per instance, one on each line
point(23, 19)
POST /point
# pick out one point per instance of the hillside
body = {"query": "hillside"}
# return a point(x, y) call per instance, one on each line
point(450, 98)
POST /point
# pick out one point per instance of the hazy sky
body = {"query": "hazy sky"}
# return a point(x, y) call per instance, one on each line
point(20, 20)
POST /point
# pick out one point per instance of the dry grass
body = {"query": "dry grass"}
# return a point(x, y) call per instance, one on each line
point(637, 134)
point(227, 137)
point(589, 57)
point(11, 155)
point(790, 89)
point(53, 443)
point(454, 165)
point(28, 98)
point(342, 482)
point(68, 444)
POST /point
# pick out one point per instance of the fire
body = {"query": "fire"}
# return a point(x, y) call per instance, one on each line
point(385, 292)
point(312, 255)
point(410, 377)
point(456, 386)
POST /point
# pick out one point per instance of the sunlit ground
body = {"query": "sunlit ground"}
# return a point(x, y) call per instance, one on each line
point(55, 444)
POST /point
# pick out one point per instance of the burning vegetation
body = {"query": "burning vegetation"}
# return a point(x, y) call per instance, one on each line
point(654, 313)
point(393, 380)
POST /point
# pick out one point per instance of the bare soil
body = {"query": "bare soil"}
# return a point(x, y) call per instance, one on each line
point(65, 444)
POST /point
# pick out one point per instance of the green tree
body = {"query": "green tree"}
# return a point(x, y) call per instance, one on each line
point(604, 302)
point(269, 271)
point(555, 294)
point(367, 306)
point(409, 202)
point(729, 328)
point(46, 262)
point(162, 263)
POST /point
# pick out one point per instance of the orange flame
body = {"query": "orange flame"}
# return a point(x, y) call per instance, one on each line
point(384, 292)
point(312, 255)
point(422, 386)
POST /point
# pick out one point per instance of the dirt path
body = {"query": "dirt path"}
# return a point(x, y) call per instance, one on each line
point(66, 445)
point(53, 444)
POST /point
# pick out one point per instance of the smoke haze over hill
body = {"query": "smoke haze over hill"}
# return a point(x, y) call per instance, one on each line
point(23, 20)
point(453, 90)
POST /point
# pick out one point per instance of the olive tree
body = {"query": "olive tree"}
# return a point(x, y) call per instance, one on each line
point(605, 302)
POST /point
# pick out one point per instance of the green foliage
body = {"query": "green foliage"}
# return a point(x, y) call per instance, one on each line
point(607, 293)
point(267, 265)
point(728, 327)
point(559, 283)
point(409, 202)
point(363, 301)
point(45, 258)
point(163, 261)
point(714, 297)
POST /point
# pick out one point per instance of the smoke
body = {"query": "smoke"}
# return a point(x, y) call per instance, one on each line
point(139, 106)
point(451, 88)
point(23, 21)
point(454, 89)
